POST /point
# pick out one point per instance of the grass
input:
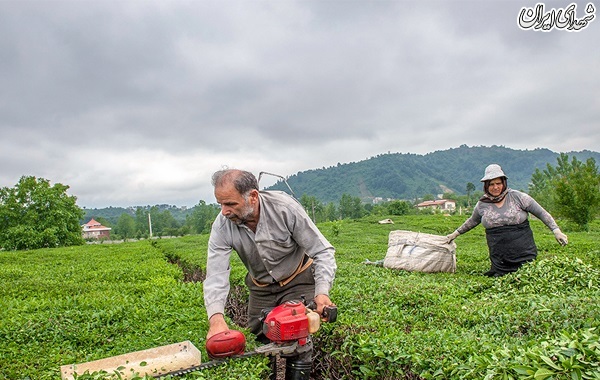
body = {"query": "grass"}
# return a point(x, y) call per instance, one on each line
point(70, 305)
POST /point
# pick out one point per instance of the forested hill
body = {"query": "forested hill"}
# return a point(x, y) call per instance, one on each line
point(411, 176)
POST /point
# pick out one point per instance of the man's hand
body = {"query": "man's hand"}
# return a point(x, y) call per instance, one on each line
point(560, 237)
point(322, 300)
point(451, 237)
point(217, 324)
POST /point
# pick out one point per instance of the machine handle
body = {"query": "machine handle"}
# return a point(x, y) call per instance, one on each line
point(329, 312)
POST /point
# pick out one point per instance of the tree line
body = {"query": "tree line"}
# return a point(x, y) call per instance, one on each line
point(147, 221)
point(34, 214)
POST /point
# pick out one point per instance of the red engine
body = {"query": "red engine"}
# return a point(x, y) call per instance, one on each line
point(287, 322)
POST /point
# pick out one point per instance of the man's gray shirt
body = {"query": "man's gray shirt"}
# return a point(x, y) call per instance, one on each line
point(284, 234)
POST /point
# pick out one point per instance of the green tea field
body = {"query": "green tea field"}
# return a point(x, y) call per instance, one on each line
point(77, 304)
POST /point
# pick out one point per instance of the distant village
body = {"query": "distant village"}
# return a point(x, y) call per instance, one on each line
point(94, 230)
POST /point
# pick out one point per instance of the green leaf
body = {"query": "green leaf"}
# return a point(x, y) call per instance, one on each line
point(576, 375)
point(550, 362)
point(523, 370)
point(542, 374)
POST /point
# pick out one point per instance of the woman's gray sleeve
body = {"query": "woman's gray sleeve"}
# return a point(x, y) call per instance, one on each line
point(472, 222)
point(530, 205)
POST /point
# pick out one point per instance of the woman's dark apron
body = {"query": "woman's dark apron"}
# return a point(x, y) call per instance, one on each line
point(510, 247)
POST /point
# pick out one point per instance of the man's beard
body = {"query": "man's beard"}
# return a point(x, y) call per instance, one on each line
point(246, 213)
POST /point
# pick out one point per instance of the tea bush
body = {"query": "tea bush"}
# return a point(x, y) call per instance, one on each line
point(70, 305)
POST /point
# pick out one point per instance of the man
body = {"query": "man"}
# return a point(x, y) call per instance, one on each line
point(287, 257)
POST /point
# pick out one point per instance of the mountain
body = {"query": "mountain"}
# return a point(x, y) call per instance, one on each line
point(410, 176)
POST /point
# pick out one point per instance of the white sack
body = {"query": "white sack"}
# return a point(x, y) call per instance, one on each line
point(420, 252)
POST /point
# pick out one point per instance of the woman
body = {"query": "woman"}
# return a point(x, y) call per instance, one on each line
point(504, 212)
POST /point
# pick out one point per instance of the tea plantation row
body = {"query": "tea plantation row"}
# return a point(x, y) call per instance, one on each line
point(71, 305)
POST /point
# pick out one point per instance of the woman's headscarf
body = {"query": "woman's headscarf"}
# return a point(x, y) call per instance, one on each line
point(489, 198)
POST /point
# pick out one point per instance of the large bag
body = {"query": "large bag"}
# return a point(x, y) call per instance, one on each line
point(419, 252)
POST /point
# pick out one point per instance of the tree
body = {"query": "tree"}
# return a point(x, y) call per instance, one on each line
point(330, 212)
point(572, 189)
point(541, 189)
point(163, 222)
point(34, 214)
point(125, 226)
point(201, 218)
point(142, 222)
point(399, 207)
point(350, 207)
point(470, 189)
point(313, 207)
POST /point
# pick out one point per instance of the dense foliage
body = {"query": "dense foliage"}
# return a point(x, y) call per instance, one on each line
point(34, 214)
point(112, 214)
point(571, 189)
point(411, 176)
point(159, 220)
point(76, 304)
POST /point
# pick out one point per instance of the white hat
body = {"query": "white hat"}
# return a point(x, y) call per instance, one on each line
point(493, 171)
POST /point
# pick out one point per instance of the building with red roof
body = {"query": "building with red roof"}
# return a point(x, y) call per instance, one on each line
point(440, 204)
point(95, 230)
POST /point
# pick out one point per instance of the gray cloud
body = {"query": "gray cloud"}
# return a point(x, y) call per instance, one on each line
point(138, 103)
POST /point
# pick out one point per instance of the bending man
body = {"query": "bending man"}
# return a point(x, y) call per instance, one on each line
point(285, 254)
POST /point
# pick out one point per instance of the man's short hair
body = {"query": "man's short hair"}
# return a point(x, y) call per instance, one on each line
point(242, 180)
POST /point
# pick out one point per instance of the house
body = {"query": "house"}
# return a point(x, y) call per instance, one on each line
point(440, 204)
point(95, 230)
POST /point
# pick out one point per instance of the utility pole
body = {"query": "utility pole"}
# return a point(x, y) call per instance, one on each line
point(150, 224)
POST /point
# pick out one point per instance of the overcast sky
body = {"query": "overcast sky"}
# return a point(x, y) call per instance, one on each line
point(139, 102)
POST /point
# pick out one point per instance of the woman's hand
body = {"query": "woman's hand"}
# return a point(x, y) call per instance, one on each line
point(451, 237)
point(560, 237)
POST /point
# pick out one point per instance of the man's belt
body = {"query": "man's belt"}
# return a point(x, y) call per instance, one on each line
point(304, 265)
